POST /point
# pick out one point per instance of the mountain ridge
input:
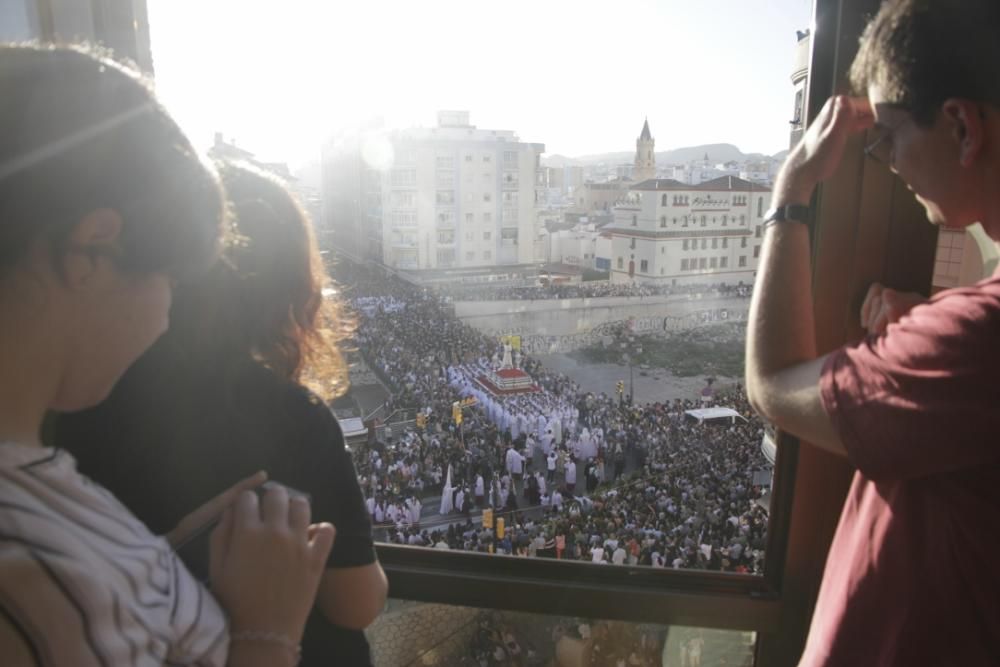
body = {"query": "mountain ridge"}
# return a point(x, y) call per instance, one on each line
point(717, 153)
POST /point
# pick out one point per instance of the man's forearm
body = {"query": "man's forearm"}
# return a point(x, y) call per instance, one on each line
point(780, 333)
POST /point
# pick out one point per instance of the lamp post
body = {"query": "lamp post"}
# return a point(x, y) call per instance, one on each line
point(631, 348)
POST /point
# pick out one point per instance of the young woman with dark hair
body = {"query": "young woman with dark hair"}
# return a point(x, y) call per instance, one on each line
point(222, 394)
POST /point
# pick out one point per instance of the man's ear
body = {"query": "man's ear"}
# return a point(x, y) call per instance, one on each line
point(96, 235)
point(966, 123)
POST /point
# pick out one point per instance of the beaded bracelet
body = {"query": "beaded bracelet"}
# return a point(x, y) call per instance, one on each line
point(270, 637)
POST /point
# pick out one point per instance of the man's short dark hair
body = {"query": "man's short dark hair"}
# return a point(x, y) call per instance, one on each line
point(922, 52)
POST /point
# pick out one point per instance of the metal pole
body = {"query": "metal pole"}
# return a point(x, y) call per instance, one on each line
point(631, 383)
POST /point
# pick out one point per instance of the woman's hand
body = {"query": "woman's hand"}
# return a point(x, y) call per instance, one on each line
point(202, 518)
point(266, 563)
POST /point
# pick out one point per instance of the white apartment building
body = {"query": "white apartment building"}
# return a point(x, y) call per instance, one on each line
point(452, 197)
point(674, 233)
point(576, 247)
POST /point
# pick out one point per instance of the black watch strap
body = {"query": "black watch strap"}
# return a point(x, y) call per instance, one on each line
point(789, 213)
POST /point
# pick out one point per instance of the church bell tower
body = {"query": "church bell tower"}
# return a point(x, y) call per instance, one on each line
point(645, 156)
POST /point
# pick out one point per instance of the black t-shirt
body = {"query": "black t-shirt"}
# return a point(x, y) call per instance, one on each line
point(171, 437)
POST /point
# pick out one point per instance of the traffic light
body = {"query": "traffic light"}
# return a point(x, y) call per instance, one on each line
point(620, 386)
point(500, 530)
point(421, 420)
point(456, 413)
point(487, 518)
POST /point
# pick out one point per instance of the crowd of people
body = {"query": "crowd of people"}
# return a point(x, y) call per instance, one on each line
point(517, 641)
point(552, 463)
point(588, 290)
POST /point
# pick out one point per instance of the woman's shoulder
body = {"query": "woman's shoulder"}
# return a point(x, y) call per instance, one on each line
point(294, 404)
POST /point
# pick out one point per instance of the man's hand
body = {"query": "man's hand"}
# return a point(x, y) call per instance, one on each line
point(821, 148)
point(884, 306)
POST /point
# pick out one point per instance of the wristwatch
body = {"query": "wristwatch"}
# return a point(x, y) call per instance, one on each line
point(789, 213)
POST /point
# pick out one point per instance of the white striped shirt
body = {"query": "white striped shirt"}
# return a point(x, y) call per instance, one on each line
point(85, 583)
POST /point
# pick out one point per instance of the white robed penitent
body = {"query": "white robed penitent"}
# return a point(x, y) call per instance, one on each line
point(446, 499)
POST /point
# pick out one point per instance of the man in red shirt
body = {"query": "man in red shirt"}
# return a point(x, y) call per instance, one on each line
point(910, 578)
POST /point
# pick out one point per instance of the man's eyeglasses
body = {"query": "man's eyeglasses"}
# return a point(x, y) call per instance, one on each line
point(881, 150)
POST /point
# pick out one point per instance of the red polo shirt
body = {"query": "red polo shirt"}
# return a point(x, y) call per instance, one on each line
point(912, 576)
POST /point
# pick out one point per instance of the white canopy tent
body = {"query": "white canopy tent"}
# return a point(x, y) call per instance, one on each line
point(712, 414)
point(352, 426)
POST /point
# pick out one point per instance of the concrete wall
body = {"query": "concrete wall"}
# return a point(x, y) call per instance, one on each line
point(569, 317)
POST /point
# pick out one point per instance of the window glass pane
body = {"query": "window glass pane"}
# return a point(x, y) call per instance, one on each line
point(18, 20)
point(416, 633)
point(560, 265)
point(962, 258)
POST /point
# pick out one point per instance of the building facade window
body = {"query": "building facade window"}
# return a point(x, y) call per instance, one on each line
point(663, 221)
point(743, 261)
point(619, 262)
point(725, 243)
point(743, 242)
point(635, 220)
point(403, 177)
point(723, 262)
point(644, 266)
point(487, 236)
point(685, 244)
point(684, 265)
point(663, 200)
point(760, 207)
point(631, 244)
point(702, 262)
point(757, 232)
point(715, 244)
point(756, 251)
point(713, 263)
point(704, 244)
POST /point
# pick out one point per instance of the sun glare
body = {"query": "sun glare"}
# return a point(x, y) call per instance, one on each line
point(279, 78)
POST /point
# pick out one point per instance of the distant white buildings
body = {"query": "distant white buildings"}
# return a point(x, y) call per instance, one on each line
point(669, 232)
point(582, 246)
point(448, 197)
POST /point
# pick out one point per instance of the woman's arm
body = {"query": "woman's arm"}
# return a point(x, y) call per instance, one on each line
point(353, 597)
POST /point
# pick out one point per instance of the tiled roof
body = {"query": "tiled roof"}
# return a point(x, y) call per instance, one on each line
point(723, 183)
point(662, 184)
point(732, 184)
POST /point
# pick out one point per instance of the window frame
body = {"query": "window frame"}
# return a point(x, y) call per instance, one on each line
point(875, 209)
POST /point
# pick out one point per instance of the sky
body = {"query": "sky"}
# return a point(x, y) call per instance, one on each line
point(580, 76)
